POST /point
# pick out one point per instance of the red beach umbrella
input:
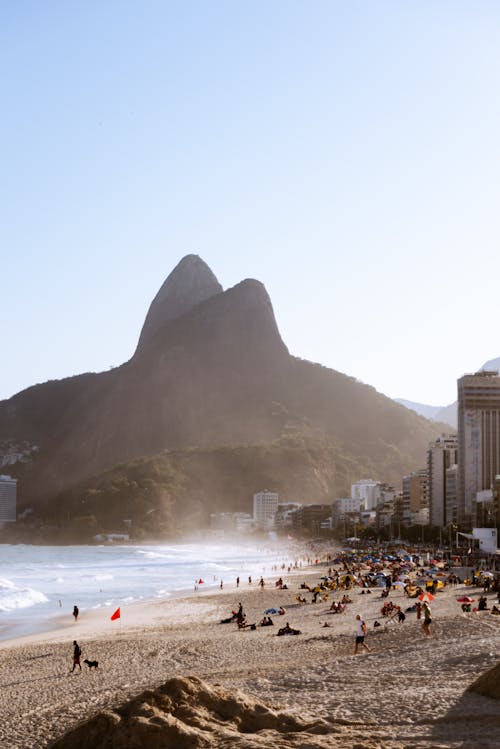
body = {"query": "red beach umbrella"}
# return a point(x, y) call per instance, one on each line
point(426, 597)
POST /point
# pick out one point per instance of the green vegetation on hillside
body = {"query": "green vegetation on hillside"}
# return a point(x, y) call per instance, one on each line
point(174, 493)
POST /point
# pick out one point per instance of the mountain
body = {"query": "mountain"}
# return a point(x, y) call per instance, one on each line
point(210, 369)
point(493, 365)
point(442, 414)
point(429, 412)
point(190, 283)
point(446, 414)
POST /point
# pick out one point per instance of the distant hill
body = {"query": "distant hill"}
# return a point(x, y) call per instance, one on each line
point(174, 492)
point(429, 412)
point(442, 414)
point(445, 414)
point(492, 365)
point(210, 370)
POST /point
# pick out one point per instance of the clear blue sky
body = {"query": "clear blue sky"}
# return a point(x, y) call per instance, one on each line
point(346, 154)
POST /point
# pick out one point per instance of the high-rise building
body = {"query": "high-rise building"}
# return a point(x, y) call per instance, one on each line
point(478, 439)
point(415, 495)
point(451, 501)
point(265, 507)
point(8, 497)
point(441, 455)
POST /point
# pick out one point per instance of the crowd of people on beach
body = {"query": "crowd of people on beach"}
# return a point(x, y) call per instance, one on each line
point(348, 574)
point(368, 574)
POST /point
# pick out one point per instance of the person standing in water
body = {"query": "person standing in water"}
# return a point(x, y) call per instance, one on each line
point(76, 611)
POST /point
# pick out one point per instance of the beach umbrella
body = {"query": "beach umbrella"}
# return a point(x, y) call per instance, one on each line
point(488, 574)
point(426, 597)
point(465, 599)
point(400, 584)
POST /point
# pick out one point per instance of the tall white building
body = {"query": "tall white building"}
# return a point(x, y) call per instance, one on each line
point(367, 491)
point(478, 439)
point(8, 496)
point(265, 507)
point(441, 455)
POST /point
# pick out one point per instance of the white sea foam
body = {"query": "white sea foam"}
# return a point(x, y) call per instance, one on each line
point(13, 597)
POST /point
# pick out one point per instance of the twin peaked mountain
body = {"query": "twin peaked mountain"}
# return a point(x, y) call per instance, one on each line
point(210, 369)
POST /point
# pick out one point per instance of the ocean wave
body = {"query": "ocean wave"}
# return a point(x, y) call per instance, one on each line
point(12, 597)
point(155, 554)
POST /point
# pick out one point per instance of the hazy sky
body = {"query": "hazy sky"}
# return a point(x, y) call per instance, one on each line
point(346, 154)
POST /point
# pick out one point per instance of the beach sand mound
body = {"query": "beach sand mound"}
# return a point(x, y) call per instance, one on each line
point(187, 713)
point(488, 684)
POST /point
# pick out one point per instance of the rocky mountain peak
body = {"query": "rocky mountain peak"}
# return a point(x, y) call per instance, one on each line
point(190, 283)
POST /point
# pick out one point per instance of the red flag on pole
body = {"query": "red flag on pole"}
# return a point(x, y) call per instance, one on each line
point(116, 615)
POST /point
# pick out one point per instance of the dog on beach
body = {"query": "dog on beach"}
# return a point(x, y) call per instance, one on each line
point(91, 664)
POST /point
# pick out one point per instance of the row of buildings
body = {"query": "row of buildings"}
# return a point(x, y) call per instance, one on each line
point(458, 487)
point(460, 484)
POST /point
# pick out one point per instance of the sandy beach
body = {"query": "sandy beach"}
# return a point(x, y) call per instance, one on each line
point(294, 691)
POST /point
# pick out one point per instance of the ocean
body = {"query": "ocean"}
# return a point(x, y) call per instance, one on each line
point(38, 583)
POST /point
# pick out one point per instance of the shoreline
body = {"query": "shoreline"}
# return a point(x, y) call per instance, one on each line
point(143, 613)
point(102, 598)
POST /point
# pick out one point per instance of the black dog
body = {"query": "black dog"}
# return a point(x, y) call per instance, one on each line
point(91, 664)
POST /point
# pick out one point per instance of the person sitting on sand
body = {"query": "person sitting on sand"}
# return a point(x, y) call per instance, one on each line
point(267, 622)
point(336, 608)
point(495, 610)
point(300, 599)
point(346, 599)
point(281, 611)
point(288, 630)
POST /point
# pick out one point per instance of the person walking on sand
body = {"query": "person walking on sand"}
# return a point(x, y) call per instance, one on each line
point(261, 583)
point(426, 626)
point(76, 656)
point(360, 634)
point(76, 611)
